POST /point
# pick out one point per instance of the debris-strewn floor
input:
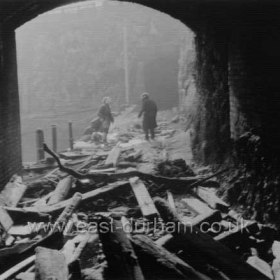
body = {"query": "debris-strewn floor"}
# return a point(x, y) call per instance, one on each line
point(130, 209)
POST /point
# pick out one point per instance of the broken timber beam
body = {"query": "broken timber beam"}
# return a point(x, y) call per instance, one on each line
point(158, 263)
point(120, 255)
point(143, 198)
point(203, 248)
point(61, 191)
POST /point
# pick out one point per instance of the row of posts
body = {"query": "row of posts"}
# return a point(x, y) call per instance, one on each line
point(40, 140)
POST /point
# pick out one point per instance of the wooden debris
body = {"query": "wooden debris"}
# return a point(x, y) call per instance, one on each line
point(177, 184)
point(234, 236)
point(12, 192)
point(212, 200)
point(143, 197)
point(26, 276)
point(17, 268)
point(158, 263)
point(58, 207)
point(120, 255)
point(61, 191)
point(113, 157)
point(50, 264)
point(260, 265)
point(5, 220)
point(204, 215)
point(171, 201)
point(67, 212)
point(204, 249)
point(11, 256)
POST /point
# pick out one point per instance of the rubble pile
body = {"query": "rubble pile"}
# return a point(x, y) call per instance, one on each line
point(97, 215)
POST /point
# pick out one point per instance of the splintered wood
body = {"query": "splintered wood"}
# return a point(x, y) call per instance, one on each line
point(143, 198)
point(50, 264)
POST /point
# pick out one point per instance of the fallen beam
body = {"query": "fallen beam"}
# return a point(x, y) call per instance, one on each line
point(158, 263)
point(120, 256)
point(61, 191)
point(143, 198)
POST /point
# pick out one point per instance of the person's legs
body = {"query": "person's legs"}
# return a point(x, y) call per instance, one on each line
point(146, 131)
point(152, 133)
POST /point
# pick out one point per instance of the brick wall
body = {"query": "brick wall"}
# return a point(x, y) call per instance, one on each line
point(10, 147)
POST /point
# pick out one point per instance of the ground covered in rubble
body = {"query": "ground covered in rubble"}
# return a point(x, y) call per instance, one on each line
point(132, 209)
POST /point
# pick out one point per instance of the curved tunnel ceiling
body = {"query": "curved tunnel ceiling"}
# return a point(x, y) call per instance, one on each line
point(14, 13)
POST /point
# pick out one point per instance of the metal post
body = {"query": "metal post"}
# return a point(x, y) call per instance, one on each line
point(54, 138)
point(70, 136)
point(125, 61)
point(39, 144)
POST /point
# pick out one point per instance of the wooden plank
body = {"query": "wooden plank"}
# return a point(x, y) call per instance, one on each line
point(171, 201)
point(18, 268)
point(50, 264)
point(113, 157)
point(12, 192)
point(158, 263)
point(5, 219)
point(143, 198)
point(120, 256)
point(61, 191)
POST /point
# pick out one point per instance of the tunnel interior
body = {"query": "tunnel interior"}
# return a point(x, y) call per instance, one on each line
point(236, 70)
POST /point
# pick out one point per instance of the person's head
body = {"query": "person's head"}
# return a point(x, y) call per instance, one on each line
point(145, 95)
point(106, 100)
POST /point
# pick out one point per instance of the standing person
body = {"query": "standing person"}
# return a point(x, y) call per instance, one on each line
point(105, 116)
point(149, 111)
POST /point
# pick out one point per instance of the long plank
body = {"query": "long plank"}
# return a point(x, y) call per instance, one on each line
point(143, 198)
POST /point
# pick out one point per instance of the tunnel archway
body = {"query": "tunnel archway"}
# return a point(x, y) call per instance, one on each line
point(210, 77)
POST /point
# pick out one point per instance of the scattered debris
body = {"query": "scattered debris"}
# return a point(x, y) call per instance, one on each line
point(98, 215)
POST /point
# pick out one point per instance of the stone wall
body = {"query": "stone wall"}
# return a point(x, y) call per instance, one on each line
point(211, 141)
point(10, 147)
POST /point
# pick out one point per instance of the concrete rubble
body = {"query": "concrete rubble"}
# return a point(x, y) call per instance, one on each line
point(130, 209)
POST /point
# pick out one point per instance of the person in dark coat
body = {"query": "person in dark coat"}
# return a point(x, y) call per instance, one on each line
point(105, 117)
point(149, 112)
